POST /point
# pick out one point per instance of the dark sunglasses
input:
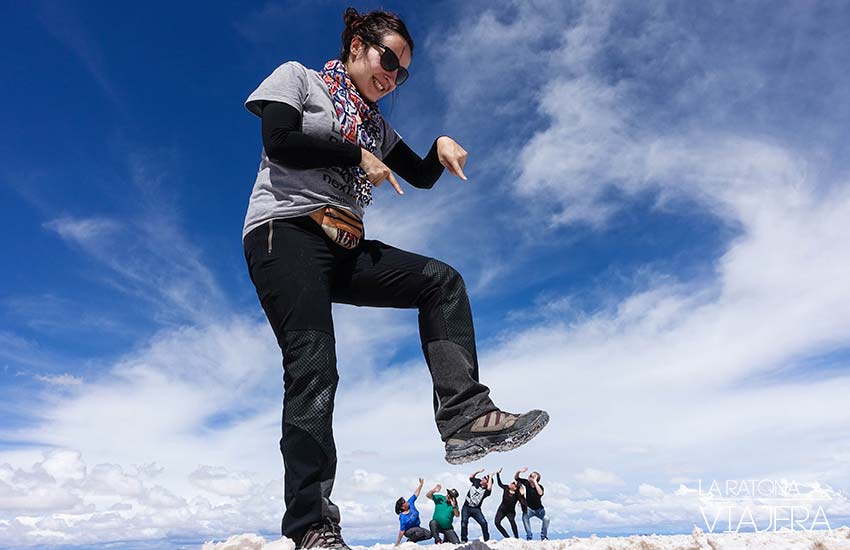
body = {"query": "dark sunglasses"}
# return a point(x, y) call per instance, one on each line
point(389, 61)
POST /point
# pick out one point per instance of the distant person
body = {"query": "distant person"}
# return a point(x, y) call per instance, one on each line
point(478, 491)
point(408, 518)
point(325, 145)
point(445, 511)
point(533, 496)
point(511, 494)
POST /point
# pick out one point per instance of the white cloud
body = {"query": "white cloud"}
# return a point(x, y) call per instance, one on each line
point(239, 505)
point(679, 381)
point(85, 230)
point(15, 350)
point(368, 482)
point(650, 491)
point(592, 476)
point(220, 481)
point(64, 379)
point(679, 360)
point(63, 465)
point(110, 479)
point(149, 259)
point(36, 499)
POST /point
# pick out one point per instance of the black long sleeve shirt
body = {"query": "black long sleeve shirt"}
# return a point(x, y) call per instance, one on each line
point(286, 144)
point(509, 499)
point(531, 496)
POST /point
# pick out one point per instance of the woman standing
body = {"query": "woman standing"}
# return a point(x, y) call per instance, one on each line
point(511, 494)
point(325, 144)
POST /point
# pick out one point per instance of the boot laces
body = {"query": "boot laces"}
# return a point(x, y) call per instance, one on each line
point(330, 535)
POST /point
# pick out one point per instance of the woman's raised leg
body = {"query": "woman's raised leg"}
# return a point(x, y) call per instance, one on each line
point(469, 422)
point(384, 276)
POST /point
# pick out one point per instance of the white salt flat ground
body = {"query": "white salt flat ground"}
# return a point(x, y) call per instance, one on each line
point(836, 539)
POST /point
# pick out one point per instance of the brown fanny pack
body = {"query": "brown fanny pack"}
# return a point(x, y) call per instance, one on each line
point(343, 227)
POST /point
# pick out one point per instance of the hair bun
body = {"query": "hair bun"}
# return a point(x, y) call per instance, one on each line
point(350, 17)
point(370, 27)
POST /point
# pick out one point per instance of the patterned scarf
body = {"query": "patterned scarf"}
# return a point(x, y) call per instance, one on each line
point(360, 122)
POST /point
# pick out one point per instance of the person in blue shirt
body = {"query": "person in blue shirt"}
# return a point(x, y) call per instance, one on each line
point(408, 518)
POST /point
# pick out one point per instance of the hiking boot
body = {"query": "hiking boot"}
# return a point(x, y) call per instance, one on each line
point(323, 535)
point(494, 431)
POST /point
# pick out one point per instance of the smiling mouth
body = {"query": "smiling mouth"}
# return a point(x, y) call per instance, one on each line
point(381, 88)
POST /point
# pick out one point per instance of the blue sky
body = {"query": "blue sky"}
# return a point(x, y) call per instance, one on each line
point(653, 234)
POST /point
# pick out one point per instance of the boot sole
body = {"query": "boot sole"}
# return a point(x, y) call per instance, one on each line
point(478, 447)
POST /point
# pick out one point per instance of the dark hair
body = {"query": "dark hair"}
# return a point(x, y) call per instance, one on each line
point(398, 504)
point(370, 27)
point(538, 475)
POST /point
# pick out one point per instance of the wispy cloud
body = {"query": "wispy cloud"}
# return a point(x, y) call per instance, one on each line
point(22, 351)
point(49, 313)
point(60, 380)
point(592, 476)
point(64, 24)
point(149, 260)
point(679, 380)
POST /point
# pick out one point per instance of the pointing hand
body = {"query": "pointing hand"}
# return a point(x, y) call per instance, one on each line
point(452, 156)
point(377, 171)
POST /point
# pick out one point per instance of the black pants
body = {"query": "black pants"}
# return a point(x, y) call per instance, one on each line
point(298, 272)
point(511, 515)
point(417, 534)
point(475, 513)
point(449, 534)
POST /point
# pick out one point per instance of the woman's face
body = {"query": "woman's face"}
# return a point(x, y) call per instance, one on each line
point(364, 65)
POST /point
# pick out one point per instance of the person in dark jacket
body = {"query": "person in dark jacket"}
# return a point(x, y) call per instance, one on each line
point(533, 497)
point(511, 494)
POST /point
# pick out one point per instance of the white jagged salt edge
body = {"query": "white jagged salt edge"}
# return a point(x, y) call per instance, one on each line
point(783, 539)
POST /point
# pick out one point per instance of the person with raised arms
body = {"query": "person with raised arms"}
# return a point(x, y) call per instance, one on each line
point(511, 494)
point(533, 497)
point(445, 510)
point(408, 518)
point(479, 490)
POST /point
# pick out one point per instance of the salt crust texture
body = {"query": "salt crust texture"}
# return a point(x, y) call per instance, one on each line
point(784, 539)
